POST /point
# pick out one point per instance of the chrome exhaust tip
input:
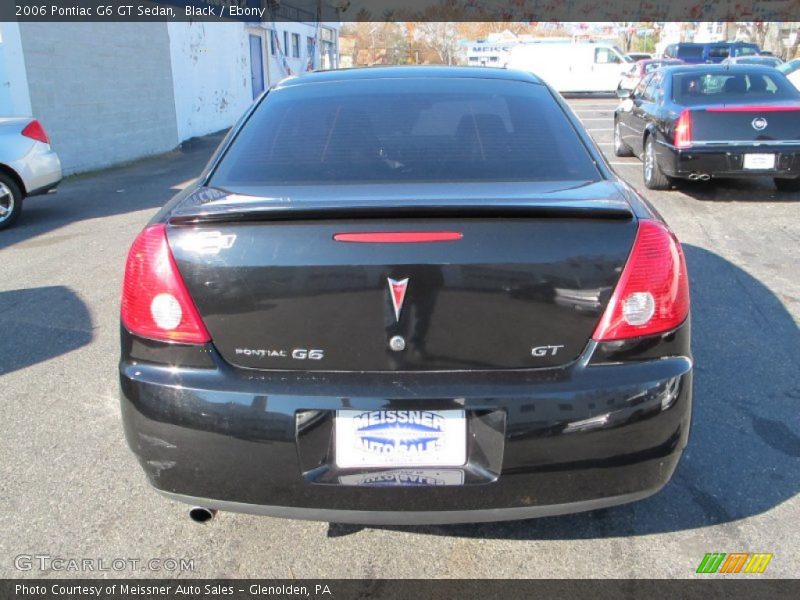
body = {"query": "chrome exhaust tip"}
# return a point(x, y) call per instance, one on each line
point(694, 177)
point(200, 514)
point(704, 177)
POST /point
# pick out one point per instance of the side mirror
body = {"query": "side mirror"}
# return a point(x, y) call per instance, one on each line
point(624, 94)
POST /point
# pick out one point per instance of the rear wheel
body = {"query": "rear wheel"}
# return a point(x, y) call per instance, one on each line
point(620, 147)
point(654, 178)
point(10, 201)
point(788, 185)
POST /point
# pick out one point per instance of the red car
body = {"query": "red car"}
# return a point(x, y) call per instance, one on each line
point(631, 77)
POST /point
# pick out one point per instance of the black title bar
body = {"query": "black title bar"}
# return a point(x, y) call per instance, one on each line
point(398, 10)
point(340, 589)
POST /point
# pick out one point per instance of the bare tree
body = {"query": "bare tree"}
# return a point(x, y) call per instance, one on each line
point(625, 31)
point(794, 36)
point(441, 38)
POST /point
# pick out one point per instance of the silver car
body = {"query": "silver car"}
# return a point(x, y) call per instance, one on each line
point(28, 165)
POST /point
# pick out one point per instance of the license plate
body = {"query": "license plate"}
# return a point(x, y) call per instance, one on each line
point(759, 161)
point(400, 438)
point(413, 477)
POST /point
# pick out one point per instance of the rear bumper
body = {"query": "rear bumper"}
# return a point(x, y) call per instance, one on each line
point(727, 161)
point(540, 442)
point(39, 169)
point(409, 517)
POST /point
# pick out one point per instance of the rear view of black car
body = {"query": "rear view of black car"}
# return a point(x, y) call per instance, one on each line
point(407, 295)
point(700, 123)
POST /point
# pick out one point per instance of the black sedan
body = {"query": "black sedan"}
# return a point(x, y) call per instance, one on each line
point(406, 295)
point(702, 122)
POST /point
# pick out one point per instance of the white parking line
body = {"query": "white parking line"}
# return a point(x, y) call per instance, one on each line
point(591, 130)
point(619, 162)
point(597, 119)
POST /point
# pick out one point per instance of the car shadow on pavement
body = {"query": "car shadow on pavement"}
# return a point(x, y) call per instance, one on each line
point(144, 184)
point(742, 457)
point(736, 190)
point(38, 324)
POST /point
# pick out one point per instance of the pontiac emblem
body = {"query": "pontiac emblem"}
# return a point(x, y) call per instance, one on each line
point(397, 290)
point(759, 123)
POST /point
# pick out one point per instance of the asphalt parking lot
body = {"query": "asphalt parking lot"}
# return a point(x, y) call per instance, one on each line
point(70, 487)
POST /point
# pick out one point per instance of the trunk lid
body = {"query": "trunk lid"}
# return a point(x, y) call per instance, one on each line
point(746, 123)
point(522, 285)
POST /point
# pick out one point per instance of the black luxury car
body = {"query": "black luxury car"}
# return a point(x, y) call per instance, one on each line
point(407, 295)
point(702, 122)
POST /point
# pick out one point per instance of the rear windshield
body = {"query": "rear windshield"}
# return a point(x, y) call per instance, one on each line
point(406, 130)
point(690, 52)
point(730, 88)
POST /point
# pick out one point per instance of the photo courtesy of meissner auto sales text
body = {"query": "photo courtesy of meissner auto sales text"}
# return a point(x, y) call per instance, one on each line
point(388, 299)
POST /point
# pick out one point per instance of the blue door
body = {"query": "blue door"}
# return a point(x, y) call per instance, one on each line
point(256, 65)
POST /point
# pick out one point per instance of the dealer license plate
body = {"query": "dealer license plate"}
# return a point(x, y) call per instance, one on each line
point(400, 438)
point(410, 477)
point(759, 161)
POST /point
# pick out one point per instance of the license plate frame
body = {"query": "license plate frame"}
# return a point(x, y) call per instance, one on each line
point(400, 438)
point(759, 162)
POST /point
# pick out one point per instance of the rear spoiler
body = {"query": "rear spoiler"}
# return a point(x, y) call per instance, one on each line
point(222, 212)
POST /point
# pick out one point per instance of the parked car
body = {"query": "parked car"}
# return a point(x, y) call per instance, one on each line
point(713, 52)
point(712, 121)
point(634, 56)
point(406, 295)
point(571, 66)
point(791, 69)
point(767, 61)
point(28, 165)
point(633, 75)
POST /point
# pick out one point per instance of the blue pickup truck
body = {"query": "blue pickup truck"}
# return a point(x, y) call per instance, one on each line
point(716, 52)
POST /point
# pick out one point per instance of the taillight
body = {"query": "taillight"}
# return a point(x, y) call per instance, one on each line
point(683, 130)
point(652, 295)
point(155, 301)
point(35, 131)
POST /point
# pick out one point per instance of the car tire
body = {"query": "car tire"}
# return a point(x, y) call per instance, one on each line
point(620, 147)
point(788, 185)
point(654, 178)
point(10, 201)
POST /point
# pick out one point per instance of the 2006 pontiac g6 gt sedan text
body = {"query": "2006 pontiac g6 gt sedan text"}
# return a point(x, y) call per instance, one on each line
point(407, 295)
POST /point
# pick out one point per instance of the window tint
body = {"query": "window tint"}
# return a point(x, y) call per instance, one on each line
point(690, 52)
point(719, 52)
point(745, 50)
point(406, 130)
point(651, 93)
point(639, 91)
point(699, 88)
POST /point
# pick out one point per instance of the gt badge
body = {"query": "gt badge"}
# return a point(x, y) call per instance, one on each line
point(397, 290)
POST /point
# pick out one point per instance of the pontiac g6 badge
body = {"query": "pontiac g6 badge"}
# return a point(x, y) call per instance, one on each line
point(397, 290)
